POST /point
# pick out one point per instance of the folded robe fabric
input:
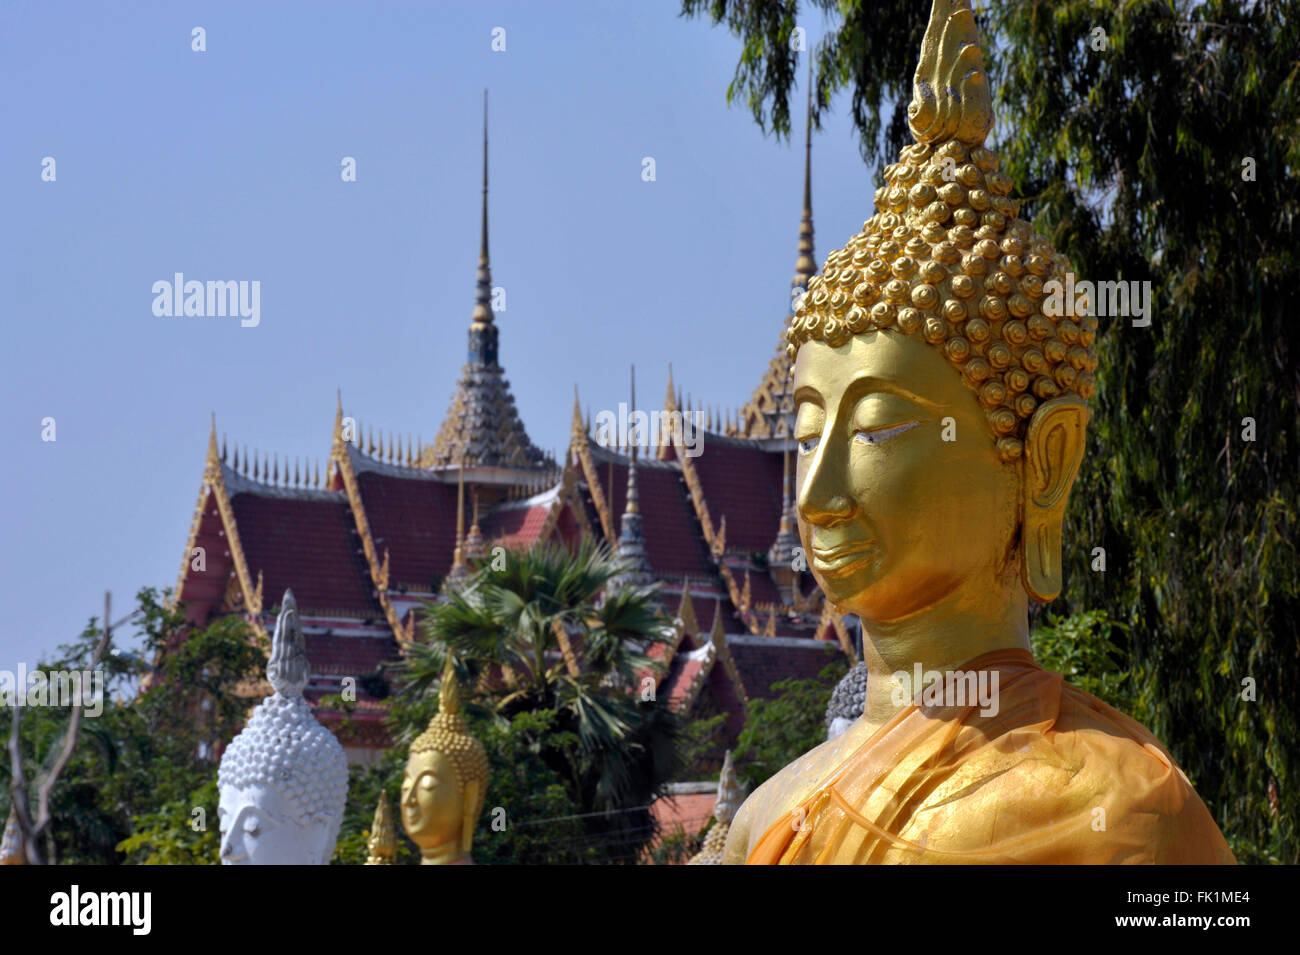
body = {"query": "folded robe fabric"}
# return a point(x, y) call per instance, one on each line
point(1054, 776)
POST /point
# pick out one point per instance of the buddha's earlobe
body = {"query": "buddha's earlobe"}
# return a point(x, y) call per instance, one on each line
point(1053, 452)
point(469, 815)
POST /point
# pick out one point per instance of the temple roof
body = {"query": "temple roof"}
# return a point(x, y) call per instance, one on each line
point(482, 426)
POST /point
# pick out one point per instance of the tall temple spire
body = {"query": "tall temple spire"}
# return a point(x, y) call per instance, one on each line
point(631, 544)
point(459, 571)
point(482, 330)
point(482, 426)
point(805, 265)
point(768, 405)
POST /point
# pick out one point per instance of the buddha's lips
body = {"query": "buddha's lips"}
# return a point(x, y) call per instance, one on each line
point(834, 560)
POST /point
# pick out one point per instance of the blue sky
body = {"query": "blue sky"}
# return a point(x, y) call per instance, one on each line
point(225, 164)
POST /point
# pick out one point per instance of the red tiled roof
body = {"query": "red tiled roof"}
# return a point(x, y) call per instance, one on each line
point(762, 664)
point(203, 590)
point(415, 521)
point(348, 656)
point(514, 526)
point(687, 810)
point(673, 542)
point(744, 485)
point(762, 589)
point(309, 545)
point(681, 674)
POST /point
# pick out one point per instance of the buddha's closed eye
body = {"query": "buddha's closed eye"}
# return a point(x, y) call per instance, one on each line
point(880, 434)
point(865, 435)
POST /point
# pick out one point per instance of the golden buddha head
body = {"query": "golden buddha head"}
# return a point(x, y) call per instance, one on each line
point(445, 782)
point(940, 408)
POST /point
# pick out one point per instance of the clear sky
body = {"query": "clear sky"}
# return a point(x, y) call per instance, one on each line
point(225, 165)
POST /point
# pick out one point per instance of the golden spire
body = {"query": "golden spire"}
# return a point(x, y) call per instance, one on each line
point(449, 691)
point(577, 427)
point(382, 845)
point(458, 569)
point(805, 265)
point(474, 545)
point(214, 456)
point(686, 611)
point(950, 91)
point(633, 505)
point(718, 633)
point(483, 298)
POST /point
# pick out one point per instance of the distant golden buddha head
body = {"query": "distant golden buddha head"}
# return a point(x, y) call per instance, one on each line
point(947, 276)
point(445, 782)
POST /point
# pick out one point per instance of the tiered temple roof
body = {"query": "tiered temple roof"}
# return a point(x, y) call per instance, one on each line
point(363, 542)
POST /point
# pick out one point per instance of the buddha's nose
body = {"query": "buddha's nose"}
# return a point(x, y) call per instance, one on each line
point(230, 852)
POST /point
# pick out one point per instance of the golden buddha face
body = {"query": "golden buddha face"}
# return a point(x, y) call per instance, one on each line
point(902, 495)
point(432, 801)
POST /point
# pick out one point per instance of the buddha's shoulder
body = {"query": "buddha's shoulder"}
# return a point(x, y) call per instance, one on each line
point(781, 794)
point(1086, 750)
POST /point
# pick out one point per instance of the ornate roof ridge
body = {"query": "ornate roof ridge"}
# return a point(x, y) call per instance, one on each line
point(237, 483)
point(605, 455)
point(214, 482)
point(363, 463)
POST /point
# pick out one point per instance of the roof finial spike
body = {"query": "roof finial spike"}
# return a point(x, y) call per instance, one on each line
point(297, 481)
point(576, 426)
point(275, 469)
point(213, 454)
point(223, 447)
point(805, 263)
point(483, 298)
point(234, 461)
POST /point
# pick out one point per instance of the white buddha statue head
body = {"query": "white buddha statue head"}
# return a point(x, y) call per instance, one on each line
point(284, 779)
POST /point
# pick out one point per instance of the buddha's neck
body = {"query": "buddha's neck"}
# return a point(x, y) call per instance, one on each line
point(970, 621)
point(448, 853)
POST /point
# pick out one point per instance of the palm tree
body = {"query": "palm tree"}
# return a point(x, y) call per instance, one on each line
point(548, 631)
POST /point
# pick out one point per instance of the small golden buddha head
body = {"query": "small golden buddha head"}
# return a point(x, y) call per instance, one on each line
point(940, 405)
point(445, 782)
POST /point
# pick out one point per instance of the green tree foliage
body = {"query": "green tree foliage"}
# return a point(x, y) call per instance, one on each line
point(1155, 141)
point(1082, 648)
point(143, 765)
point(780, 730)
point(609, 747)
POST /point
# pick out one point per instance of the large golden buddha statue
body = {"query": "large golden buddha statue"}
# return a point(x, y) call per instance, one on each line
point(940, 416)
point(445, 783)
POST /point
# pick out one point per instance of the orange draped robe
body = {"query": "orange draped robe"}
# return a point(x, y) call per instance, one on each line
point(1054, 776)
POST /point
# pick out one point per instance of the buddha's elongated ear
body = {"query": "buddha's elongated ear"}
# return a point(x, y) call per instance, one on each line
point(1053, 453)
point(470, 805)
